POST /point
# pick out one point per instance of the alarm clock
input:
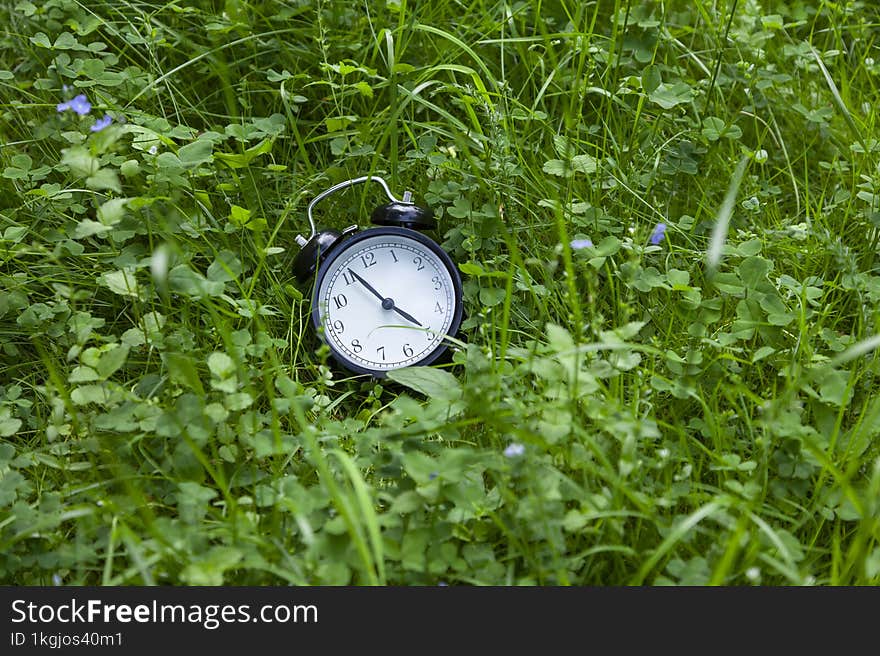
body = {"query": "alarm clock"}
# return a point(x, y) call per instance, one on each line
point(385, 297)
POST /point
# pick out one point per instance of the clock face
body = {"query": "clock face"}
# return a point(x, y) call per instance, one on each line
point(385, 299)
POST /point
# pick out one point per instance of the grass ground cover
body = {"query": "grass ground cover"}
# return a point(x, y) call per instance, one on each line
point(666, 216)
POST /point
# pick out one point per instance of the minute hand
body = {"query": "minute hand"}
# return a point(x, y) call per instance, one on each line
point(367, 285)
point(387, 302)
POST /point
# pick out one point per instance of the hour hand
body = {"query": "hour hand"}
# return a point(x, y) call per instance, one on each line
point(407, 316)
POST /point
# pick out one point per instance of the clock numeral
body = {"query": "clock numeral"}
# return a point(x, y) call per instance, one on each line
point(436, 281)
point(407, 350)
point(369, 259)
point(418, 262)
point(348, 280)
point(338, 326)
point(381, 351)
point(340, 301)
point(431, 335)
point(356, 346)
point(394, 256)
point(438, 308)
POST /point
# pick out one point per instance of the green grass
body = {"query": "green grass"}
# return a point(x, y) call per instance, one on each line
point(703, 410)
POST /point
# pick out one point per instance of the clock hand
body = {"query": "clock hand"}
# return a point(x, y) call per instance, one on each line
point(387, 303)
point(406, 316)
point(367, 285)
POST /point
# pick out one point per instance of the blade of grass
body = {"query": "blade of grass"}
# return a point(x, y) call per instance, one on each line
point(722, 219)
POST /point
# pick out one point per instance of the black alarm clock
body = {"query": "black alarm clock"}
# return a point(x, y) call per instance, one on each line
point(384, 297)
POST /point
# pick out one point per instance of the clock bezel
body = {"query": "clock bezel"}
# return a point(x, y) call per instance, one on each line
point(341, 248)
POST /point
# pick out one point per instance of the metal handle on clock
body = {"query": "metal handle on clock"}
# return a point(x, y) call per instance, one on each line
point(407, 199)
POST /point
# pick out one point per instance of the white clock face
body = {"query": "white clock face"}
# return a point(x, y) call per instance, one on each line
point(386, 301)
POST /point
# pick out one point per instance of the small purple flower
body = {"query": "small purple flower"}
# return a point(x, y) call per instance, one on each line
point(659, 232)
point(514, 449)
point(80, 104)
point(432, 476)
point(578, 244)
point(101, 123)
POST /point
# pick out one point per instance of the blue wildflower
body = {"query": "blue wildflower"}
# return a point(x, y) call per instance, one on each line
point(659, 232)
point(79, 104)
point(514, 449)
point(101, 123)
point(432, 476)
point(578, 244)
